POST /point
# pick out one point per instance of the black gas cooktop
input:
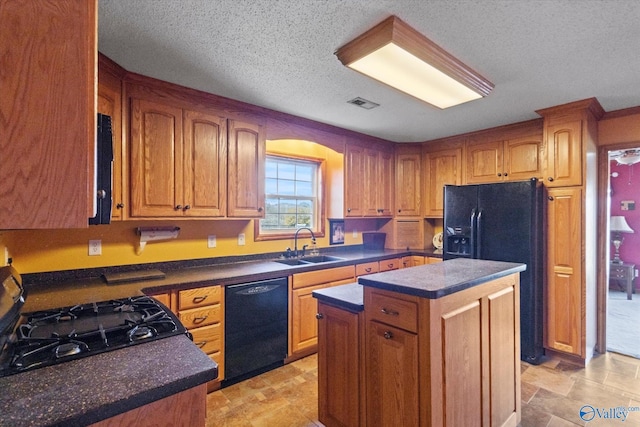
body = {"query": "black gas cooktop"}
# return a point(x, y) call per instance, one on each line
point(44, 338)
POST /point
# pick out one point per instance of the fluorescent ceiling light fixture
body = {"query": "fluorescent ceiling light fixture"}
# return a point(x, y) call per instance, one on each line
point(397, 55)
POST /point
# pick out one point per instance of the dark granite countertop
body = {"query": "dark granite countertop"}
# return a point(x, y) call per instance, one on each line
point(51, 293)
point(87, 390)
point(345, 296)
point(441, 279)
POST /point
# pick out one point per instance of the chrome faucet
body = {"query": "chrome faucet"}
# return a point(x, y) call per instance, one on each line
point(295, 240)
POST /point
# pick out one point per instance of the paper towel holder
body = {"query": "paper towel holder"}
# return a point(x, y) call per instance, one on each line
point(150, 234)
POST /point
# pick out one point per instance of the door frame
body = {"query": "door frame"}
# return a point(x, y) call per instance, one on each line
point(603, 239)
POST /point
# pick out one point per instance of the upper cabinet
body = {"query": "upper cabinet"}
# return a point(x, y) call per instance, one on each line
point(247, 157)
point(368, 182)
point(408, 180)
point(442, 167)
point(110, 103)
point(564, 154)
point(192, 162)
point(514, 159)
point(48, 110)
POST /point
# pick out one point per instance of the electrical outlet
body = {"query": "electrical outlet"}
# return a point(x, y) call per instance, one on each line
point(354, 234)
point(241, 239)
point(95, 247)
point(211, 241)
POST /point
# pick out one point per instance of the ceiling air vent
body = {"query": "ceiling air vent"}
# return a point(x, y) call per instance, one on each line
point(361, 102)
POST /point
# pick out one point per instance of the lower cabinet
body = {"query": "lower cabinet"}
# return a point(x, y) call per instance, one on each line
point(201, 311)
point(303, 328)
point(339, 366)
point(392, 376)
point(451, 361)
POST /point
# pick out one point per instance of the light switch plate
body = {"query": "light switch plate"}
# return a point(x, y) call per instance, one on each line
point(241, 239)
point(211, 241)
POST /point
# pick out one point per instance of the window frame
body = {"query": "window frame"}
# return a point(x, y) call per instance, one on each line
point(320, 213)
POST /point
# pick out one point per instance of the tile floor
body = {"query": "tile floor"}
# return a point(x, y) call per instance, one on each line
point(552, 395)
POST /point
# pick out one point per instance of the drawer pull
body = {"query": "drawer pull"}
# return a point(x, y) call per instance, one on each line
point(387, 335)
point(198, 300)
point(389, 312)
point(201, 343)
point(319, 316)
point(368, 269)
point(199, 319)
point(390, 265)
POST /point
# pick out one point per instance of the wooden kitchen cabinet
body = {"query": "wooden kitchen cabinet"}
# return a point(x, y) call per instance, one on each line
point(407, 183)
point(564, 154)
point(391, 360)
point(110, 103)
point(201, 311)
point(441, 168)
point(48, 110)
point(412, 261)
point(368, 182)
point(515, 159)
point(339, 366)
point(303, 329)
point(450, 361)
point(247, 157)
point(564, 297)
point(178, 166)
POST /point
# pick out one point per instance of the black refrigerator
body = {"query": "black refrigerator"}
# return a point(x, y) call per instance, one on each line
point(502, 222)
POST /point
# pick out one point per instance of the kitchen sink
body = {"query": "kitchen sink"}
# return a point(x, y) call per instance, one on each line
point(309, 260)
point(294, 261)
point(321, 258)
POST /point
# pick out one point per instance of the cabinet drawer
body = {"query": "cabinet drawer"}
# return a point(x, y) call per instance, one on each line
point(390, 310)
point(196, 317)
point(318, 277)
point(208, 338)
point(367, 268)
point(199, 297)
point(389, 264)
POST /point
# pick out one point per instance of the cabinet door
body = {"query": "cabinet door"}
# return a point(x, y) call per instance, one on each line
point(523, 159)
point(391, 376)
point(564, 154)
point(384, 184)
point(304, 325)
point(442, 167)
point(484, 162)
point(369, 184)
point(564, 297)
point(338, 366)
point(110, 103)
point(246, 169)
point(156, 168)
point(407, 185)
point(47, 113)
point(354, 181)
point(205, 164)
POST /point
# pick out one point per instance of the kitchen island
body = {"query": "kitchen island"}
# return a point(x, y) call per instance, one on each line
point(435, 345)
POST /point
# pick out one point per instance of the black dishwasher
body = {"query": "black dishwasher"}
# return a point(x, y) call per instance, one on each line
point(255, 328)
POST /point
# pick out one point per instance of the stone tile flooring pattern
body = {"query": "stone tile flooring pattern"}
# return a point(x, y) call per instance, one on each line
point(552, 395)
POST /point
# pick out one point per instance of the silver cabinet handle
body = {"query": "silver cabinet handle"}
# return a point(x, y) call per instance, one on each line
point(389, 312)
point(319, 316)
point(387, 335)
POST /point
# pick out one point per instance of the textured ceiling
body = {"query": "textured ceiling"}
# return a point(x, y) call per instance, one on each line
point(280, 55)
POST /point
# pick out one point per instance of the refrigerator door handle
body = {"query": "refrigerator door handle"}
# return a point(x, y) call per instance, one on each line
point(472, 237)
point(478, 248)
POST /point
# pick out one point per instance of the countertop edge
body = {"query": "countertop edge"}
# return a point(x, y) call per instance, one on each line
point(371, 281)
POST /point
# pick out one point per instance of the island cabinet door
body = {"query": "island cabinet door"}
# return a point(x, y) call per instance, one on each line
point(391, 376)
point(338, 367)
